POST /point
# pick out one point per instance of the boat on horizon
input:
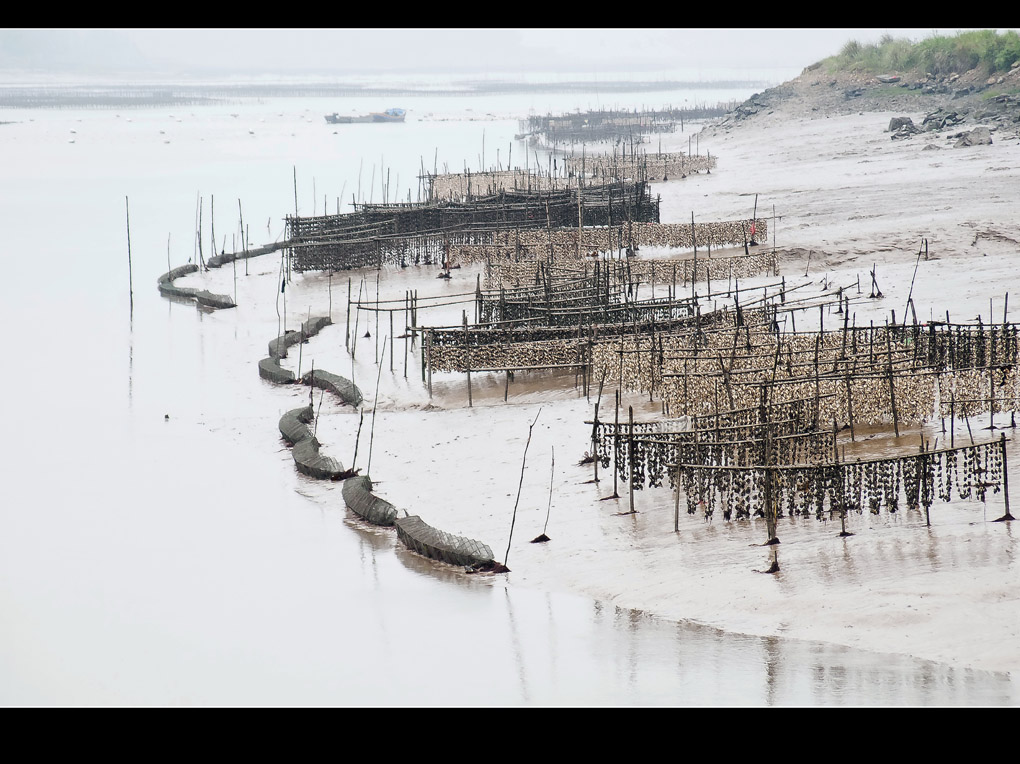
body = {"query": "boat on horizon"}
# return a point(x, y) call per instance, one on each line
point(390, 115)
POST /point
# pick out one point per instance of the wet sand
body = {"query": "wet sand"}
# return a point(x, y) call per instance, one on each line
point(840, 189)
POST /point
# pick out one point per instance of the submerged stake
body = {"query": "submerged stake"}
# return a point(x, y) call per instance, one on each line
point(552, 474)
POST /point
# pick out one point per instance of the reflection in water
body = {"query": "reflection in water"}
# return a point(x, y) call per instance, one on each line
point(634, 618)
point(773, 668)
point(518, 653)
point(131, 362)
point(553, 642)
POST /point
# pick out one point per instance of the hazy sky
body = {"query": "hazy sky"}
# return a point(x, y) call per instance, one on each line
point(494, 50)
point(486, 51)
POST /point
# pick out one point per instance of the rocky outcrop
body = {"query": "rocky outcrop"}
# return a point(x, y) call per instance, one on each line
point(979, 136)
point(941, 119)
point(902, 127)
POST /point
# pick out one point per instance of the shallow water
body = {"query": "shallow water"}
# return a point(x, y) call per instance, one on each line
point(158, 546)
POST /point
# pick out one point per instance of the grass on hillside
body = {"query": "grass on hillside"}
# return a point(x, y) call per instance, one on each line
point(936, 55)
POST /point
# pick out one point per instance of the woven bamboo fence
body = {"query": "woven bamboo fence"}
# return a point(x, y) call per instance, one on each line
point(508, 267)
point(646, 166)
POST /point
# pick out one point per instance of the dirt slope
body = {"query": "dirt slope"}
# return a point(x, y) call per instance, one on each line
point(956, 102)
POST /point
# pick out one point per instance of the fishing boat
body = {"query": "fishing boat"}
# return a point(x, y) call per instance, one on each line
point(390, 115)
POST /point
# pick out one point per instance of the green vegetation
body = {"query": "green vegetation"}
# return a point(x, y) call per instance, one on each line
point(936, 55)
point(994, 92)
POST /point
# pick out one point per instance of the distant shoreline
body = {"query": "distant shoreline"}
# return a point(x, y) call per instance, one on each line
point(160, 94)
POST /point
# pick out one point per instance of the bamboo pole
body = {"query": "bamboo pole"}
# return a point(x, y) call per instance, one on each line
point(357, 319)
point(552, 475)
point(279, 319)
point(531, 427)
point(676, 504)
point(198, 233)
point(428, 352)
point(892, 387)
point(631, 454)
point(131, 278)
point(616, 445)
point(1005, 481)
point(375, 406)
point(347, 331)
point(301, 346)
point(357, 440)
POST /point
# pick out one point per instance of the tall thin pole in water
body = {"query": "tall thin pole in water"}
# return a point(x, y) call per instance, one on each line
point(240, 215)
point(357, 438)
point(194, 250)
point(212, 223)
point(371, 434)
point(279, 321)
point(131, 280)
point(524, 461)
point(295, 220)
point(198, 233)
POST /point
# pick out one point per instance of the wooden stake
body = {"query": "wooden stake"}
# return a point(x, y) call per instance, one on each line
point(631, 454)
point(428, 355)
point(357, 319)
point(198, 233)
point(357, 439)
point(892, 387)
point(371, 437)
point(616, 444)
point(301, 346)
point(321, 396)
point(279, 320)
point(552, 474)
point(523, 462)
point(131, 278)
point(1005, 481)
